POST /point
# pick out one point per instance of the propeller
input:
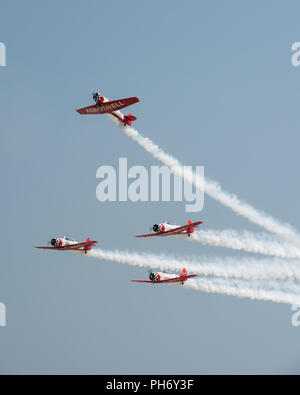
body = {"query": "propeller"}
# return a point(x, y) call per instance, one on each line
point(152, 276)
point(54, 242)
point(156, 228)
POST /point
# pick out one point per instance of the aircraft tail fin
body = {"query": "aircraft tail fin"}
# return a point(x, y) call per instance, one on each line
point(190, 230)
point(129, 118)
point(183, 272)
point(88, 248)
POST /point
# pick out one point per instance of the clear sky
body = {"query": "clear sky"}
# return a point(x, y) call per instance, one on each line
point(216, 88)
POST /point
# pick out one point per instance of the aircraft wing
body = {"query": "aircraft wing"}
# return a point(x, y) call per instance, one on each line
point(190, 276)
point(108, 107)
point(152, 234)
point(177, 279)
point(141, 281)
point(175, 231)
point(48, 248)
point(76, 246)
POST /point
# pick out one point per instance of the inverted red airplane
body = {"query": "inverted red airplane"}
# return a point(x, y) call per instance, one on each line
point(65, 244)
point(166, 229)
point(162, 277)
point(112, 108)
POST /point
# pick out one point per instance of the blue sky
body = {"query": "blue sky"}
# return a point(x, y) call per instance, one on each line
point(216, 88)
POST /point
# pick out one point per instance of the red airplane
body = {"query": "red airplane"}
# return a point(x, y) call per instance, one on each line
point(65, 244)
point(166, 229)
point(162, 277)
point(112, 108)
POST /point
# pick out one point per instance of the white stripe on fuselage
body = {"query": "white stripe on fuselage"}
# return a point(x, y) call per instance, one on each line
point(67, 242)
point(167, 276)
point(169, 226)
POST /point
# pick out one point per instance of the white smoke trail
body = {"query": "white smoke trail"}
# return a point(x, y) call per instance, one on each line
point(262, 272)
point(241, 291)
point(240, 268)
point(213, 189)
point(229, 283)
point(262, 243)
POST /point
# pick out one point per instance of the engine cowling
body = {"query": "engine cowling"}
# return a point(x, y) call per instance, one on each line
point(157, 228)
point(54, 242)
point(154, 277)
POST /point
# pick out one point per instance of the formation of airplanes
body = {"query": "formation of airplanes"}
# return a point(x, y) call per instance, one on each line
point(112, 109)
point(66, 244)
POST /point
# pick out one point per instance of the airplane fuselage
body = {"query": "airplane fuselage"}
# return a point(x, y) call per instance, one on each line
point(165, 226)
point(160, 276)
point(114, 115)
point(62, 241)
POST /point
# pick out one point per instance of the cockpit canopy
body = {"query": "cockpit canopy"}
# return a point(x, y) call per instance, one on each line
point(97, 96)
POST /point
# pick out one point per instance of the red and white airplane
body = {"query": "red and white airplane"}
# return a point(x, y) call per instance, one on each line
point(112, 108)
point(65, 244)
point(166, 229)
point(162, 277)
